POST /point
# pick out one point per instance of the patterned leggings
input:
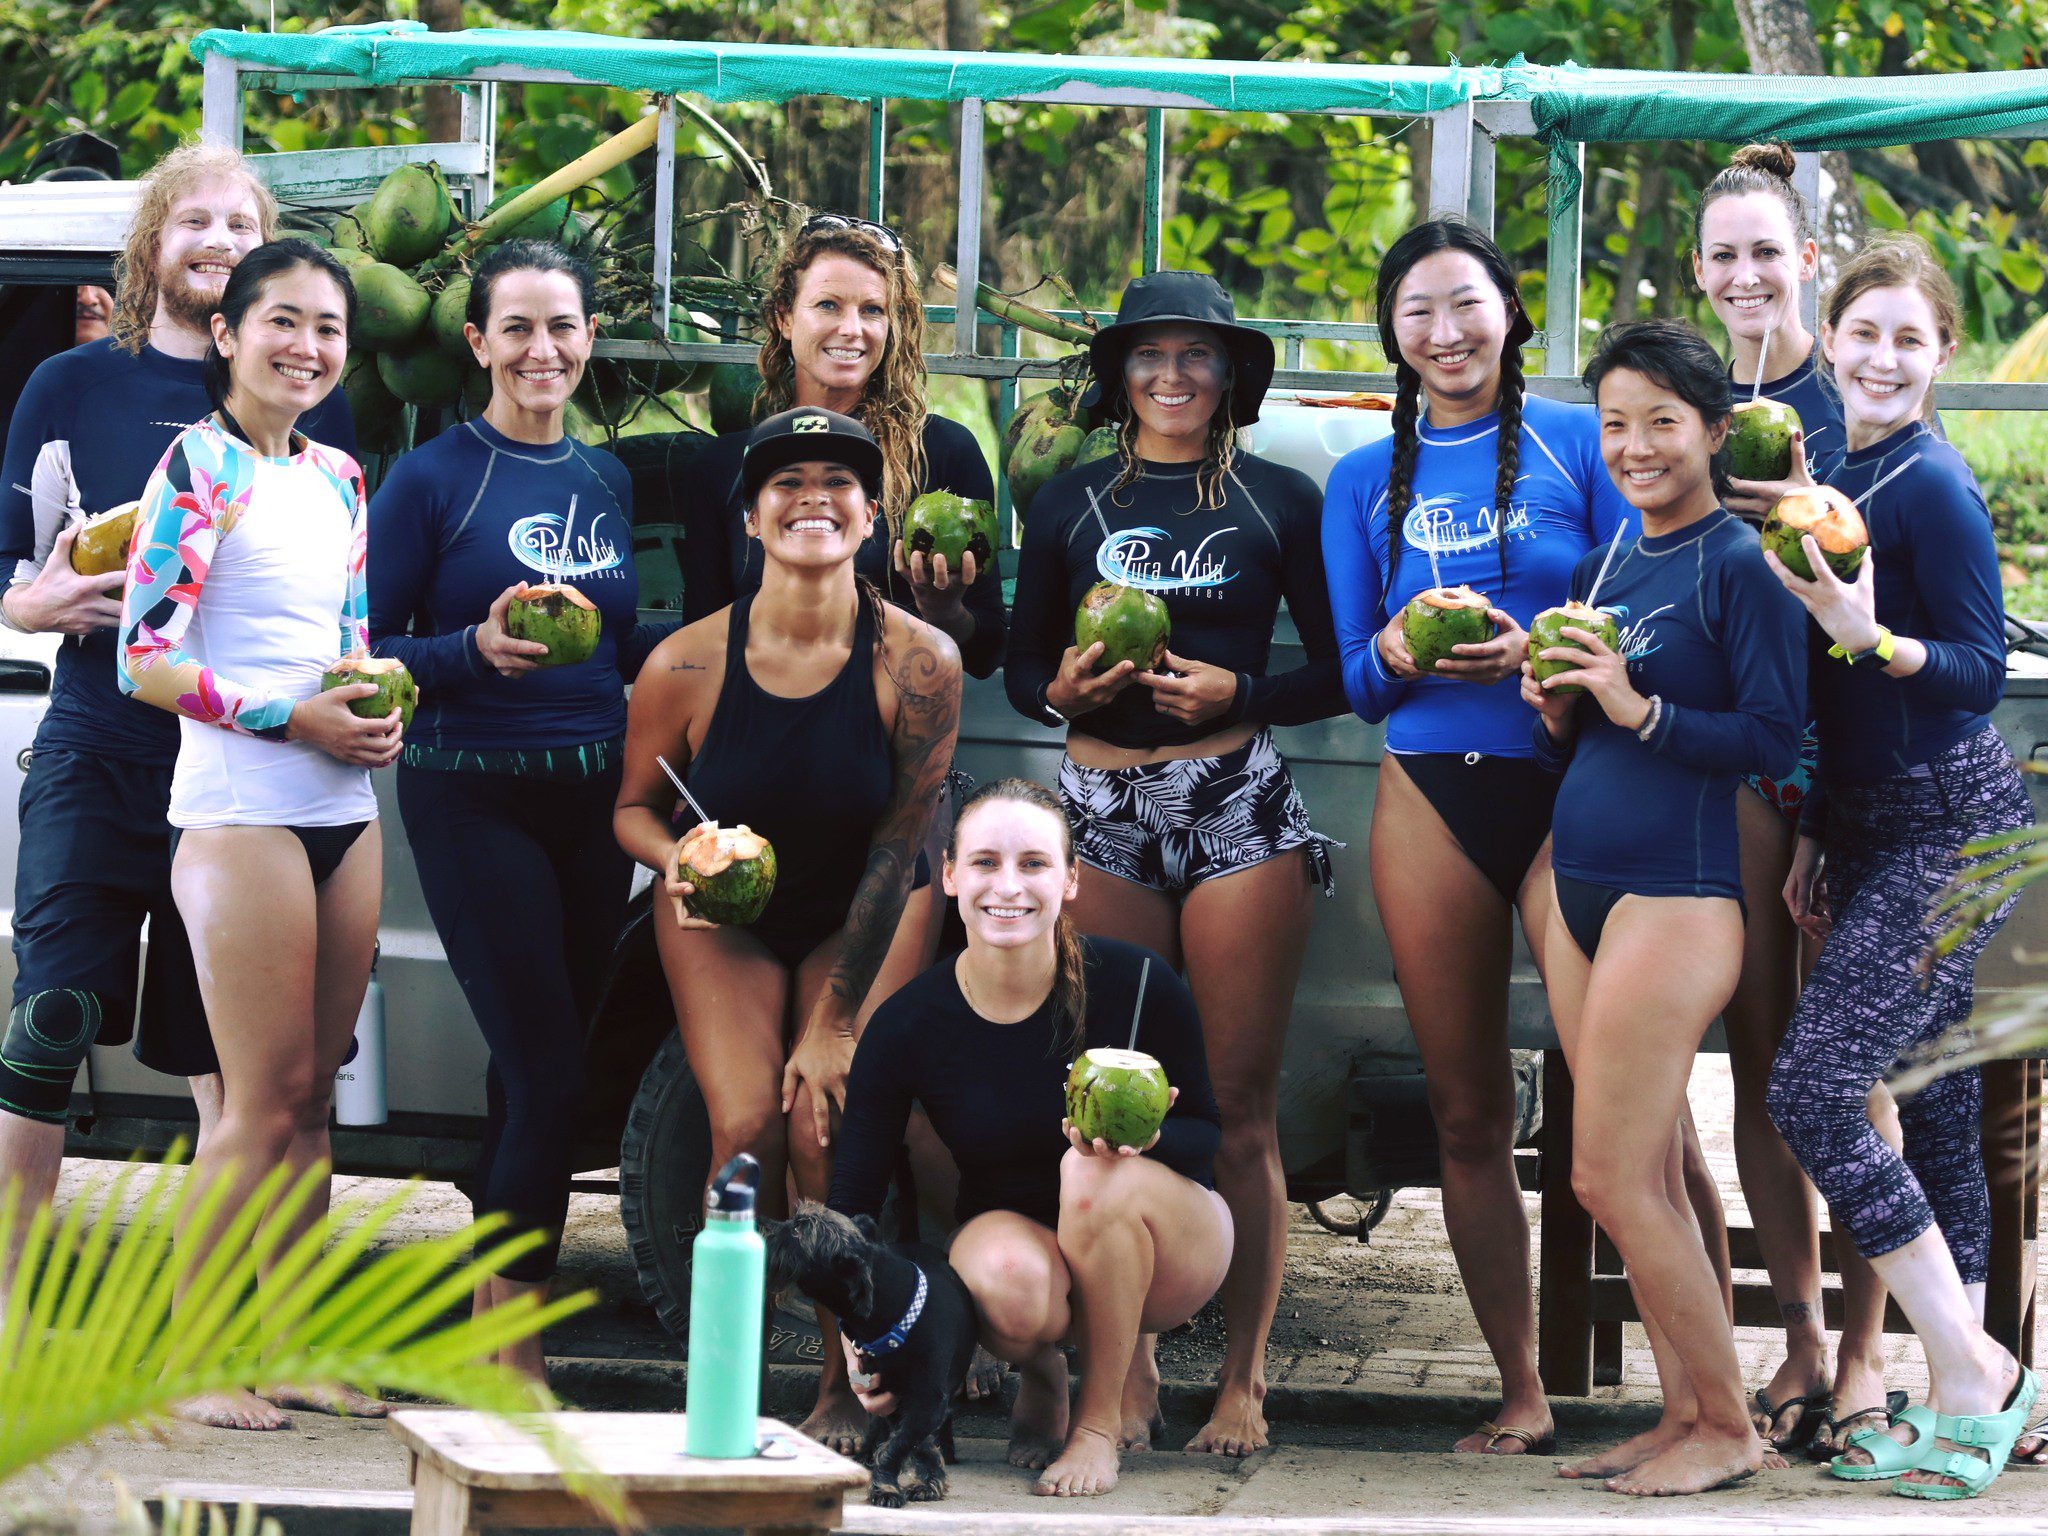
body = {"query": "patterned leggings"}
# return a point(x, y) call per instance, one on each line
point(1891, 846)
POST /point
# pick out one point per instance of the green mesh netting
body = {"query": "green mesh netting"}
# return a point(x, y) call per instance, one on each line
point(392, 51)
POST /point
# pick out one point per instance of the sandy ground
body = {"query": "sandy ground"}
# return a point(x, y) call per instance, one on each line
point(1376, 1362)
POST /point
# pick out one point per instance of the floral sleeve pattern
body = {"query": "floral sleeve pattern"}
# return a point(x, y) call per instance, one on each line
point(196, 496)
point(355, 603)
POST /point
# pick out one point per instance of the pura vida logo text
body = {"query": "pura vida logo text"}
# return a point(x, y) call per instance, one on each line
point(1139, 557)
point(1638, 639)
point(1442, 522)
point(550, 543)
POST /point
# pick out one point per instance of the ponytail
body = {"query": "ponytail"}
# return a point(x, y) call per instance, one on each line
point(1070, 982)
point(1507, 455)
point(1401, 476)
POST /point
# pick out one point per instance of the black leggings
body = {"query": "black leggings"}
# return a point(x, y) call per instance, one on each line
point(527, 888)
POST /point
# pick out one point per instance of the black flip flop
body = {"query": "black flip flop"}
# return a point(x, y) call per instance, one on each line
point(1813, 1410)
point(1894, 1404)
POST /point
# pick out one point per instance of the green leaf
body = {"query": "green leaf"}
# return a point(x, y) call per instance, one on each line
point(1879, 205)
point(132, 100)
point(2022, 268)
point(88, 95)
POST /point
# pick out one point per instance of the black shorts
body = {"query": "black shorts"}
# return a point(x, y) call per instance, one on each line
point(93, 861)
point(1497, 809)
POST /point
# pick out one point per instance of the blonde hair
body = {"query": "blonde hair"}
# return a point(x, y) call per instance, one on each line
point(1898, 261)
point(135, 271)
point(892, 402)
point(1070, 977)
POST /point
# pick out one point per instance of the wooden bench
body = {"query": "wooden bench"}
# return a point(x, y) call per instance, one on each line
point(472, 1473)
point(1585, 1299)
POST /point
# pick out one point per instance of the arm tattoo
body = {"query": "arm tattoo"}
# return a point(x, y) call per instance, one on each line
point(927, 722)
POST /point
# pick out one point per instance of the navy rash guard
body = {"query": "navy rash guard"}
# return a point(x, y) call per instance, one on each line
point(1565, 503)
point(458, 521)
point(1937, 581)
point(90, 429)
point(1221, 574)
point(1709, 629)
point(995, 1093)
point(720, 562)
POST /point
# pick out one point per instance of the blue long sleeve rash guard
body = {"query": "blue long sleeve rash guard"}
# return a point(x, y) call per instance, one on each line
point(462, 518)
point(1707, 628)
point(1564, 504)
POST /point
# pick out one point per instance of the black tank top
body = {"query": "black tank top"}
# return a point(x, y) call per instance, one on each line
point(812, 775)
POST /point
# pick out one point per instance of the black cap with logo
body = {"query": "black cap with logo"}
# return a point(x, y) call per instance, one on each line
point(803, 436)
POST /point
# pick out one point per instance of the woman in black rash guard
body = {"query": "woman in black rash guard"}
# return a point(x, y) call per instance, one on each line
point(824, 719)
point(1196, 843)
point(1060, 1240)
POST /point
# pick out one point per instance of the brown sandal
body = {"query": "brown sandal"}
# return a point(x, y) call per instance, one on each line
point(1533, 1444)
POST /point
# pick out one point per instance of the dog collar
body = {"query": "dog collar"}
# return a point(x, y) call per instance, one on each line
point(892, 1341)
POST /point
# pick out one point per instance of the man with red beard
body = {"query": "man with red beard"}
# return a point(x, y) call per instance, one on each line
point(95, 856)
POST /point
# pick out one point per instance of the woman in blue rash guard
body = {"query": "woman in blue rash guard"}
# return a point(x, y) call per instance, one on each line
point(1645, 944)
point(1908, 661)
point(1196, 844)
point(510, 769)
point(1461, 816)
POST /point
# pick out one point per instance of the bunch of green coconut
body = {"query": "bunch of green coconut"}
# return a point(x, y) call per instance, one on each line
point(409, 253)
point(1048, 434)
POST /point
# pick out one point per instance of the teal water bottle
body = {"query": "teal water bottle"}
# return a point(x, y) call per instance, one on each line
point(728, 1292)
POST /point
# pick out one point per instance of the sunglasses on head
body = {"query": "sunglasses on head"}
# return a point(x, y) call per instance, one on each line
point(890, 240)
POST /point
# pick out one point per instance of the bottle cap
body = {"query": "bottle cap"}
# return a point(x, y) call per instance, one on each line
point(735, 1190)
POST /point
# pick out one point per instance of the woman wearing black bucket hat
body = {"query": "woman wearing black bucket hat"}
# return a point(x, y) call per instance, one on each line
point(1195, 842)
point(823, 718)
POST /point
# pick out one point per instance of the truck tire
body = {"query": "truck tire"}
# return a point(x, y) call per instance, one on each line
point(664, 1164)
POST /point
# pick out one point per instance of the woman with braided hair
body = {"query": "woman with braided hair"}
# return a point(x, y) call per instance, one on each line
point(1504, 492)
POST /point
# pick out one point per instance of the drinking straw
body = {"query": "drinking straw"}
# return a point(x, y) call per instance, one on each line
point(1592, 597)
point(682, 789)
point(1429, 543)
point(1763, 358)
point(1144, 975)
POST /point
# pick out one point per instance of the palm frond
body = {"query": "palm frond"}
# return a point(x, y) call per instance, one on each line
point(89, 1339)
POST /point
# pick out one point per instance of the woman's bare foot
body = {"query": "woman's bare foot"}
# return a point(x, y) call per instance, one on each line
point(1237, 1427)
point(343, 1402)
point(1140, 1410)
point(1630, 1454)
point(838, 1423)
point(1999, 1397)
point(1857, 1404)
point(232, 1410)
point(1087, 1466)
point(1038, 1424)
point(984, 1377)
point(1697, 1464)
point(1531, 1414)
point(1801, 1378)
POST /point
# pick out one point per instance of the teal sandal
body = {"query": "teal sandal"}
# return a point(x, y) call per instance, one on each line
point(1888, 1458)
point(1992, 1434)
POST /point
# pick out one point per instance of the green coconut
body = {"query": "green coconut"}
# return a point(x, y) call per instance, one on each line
point(448, 315)
point(1131, 623)
point(1119, 1097)
point(1047, 447)
point(1100, 444)
point(550, 221)
point(407, 217)
point(734, 387)
point(352, 258)
point(558, 617)
point(101, 548)
point(379, 415)
point(395, 687)
point(1546, 632)
point(1837, 527)
point(1057, 401)
point(390, 306)
point(476, 391)
point(616, 379)
point(733, 870)
point(349, 231)
point(940, 522)
point(1440, 618)
point(1759, 443)
point(422, 375)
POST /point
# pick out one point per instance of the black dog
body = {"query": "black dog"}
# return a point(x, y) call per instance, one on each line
point(912, 1322)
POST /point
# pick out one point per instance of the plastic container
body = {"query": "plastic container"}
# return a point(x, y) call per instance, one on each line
point(359, 1097)
point(1312, 438)
point(728, 1297)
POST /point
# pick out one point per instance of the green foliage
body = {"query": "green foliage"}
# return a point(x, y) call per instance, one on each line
point(89, 1341)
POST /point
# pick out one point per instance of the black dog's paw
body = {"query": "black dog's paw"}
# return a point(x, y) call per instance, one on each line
point(929, 1492)
point(887, 1495)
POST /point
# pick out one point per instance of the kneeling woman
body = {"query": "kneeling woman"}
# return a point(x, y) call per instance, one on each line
point(245, 584)
point(1645, 938)
point(1060, 1240)
point(824, 719)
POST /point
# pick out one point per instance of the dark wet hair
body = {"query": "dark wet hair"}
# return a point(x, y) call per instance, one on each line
point(1426, 239)
point(246, 284)
point(1766, 168)
point(525, 256)
point(1070, 980)
point(1674, 355)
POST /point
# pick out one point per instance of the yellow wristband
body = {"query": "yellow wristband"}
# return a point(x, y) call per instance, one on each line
point(1882, 650)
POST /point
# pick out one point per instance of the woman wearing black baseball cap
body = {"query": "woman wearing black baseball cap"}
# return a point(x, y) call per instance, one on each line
point(824, 719)
point(1194, 841)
